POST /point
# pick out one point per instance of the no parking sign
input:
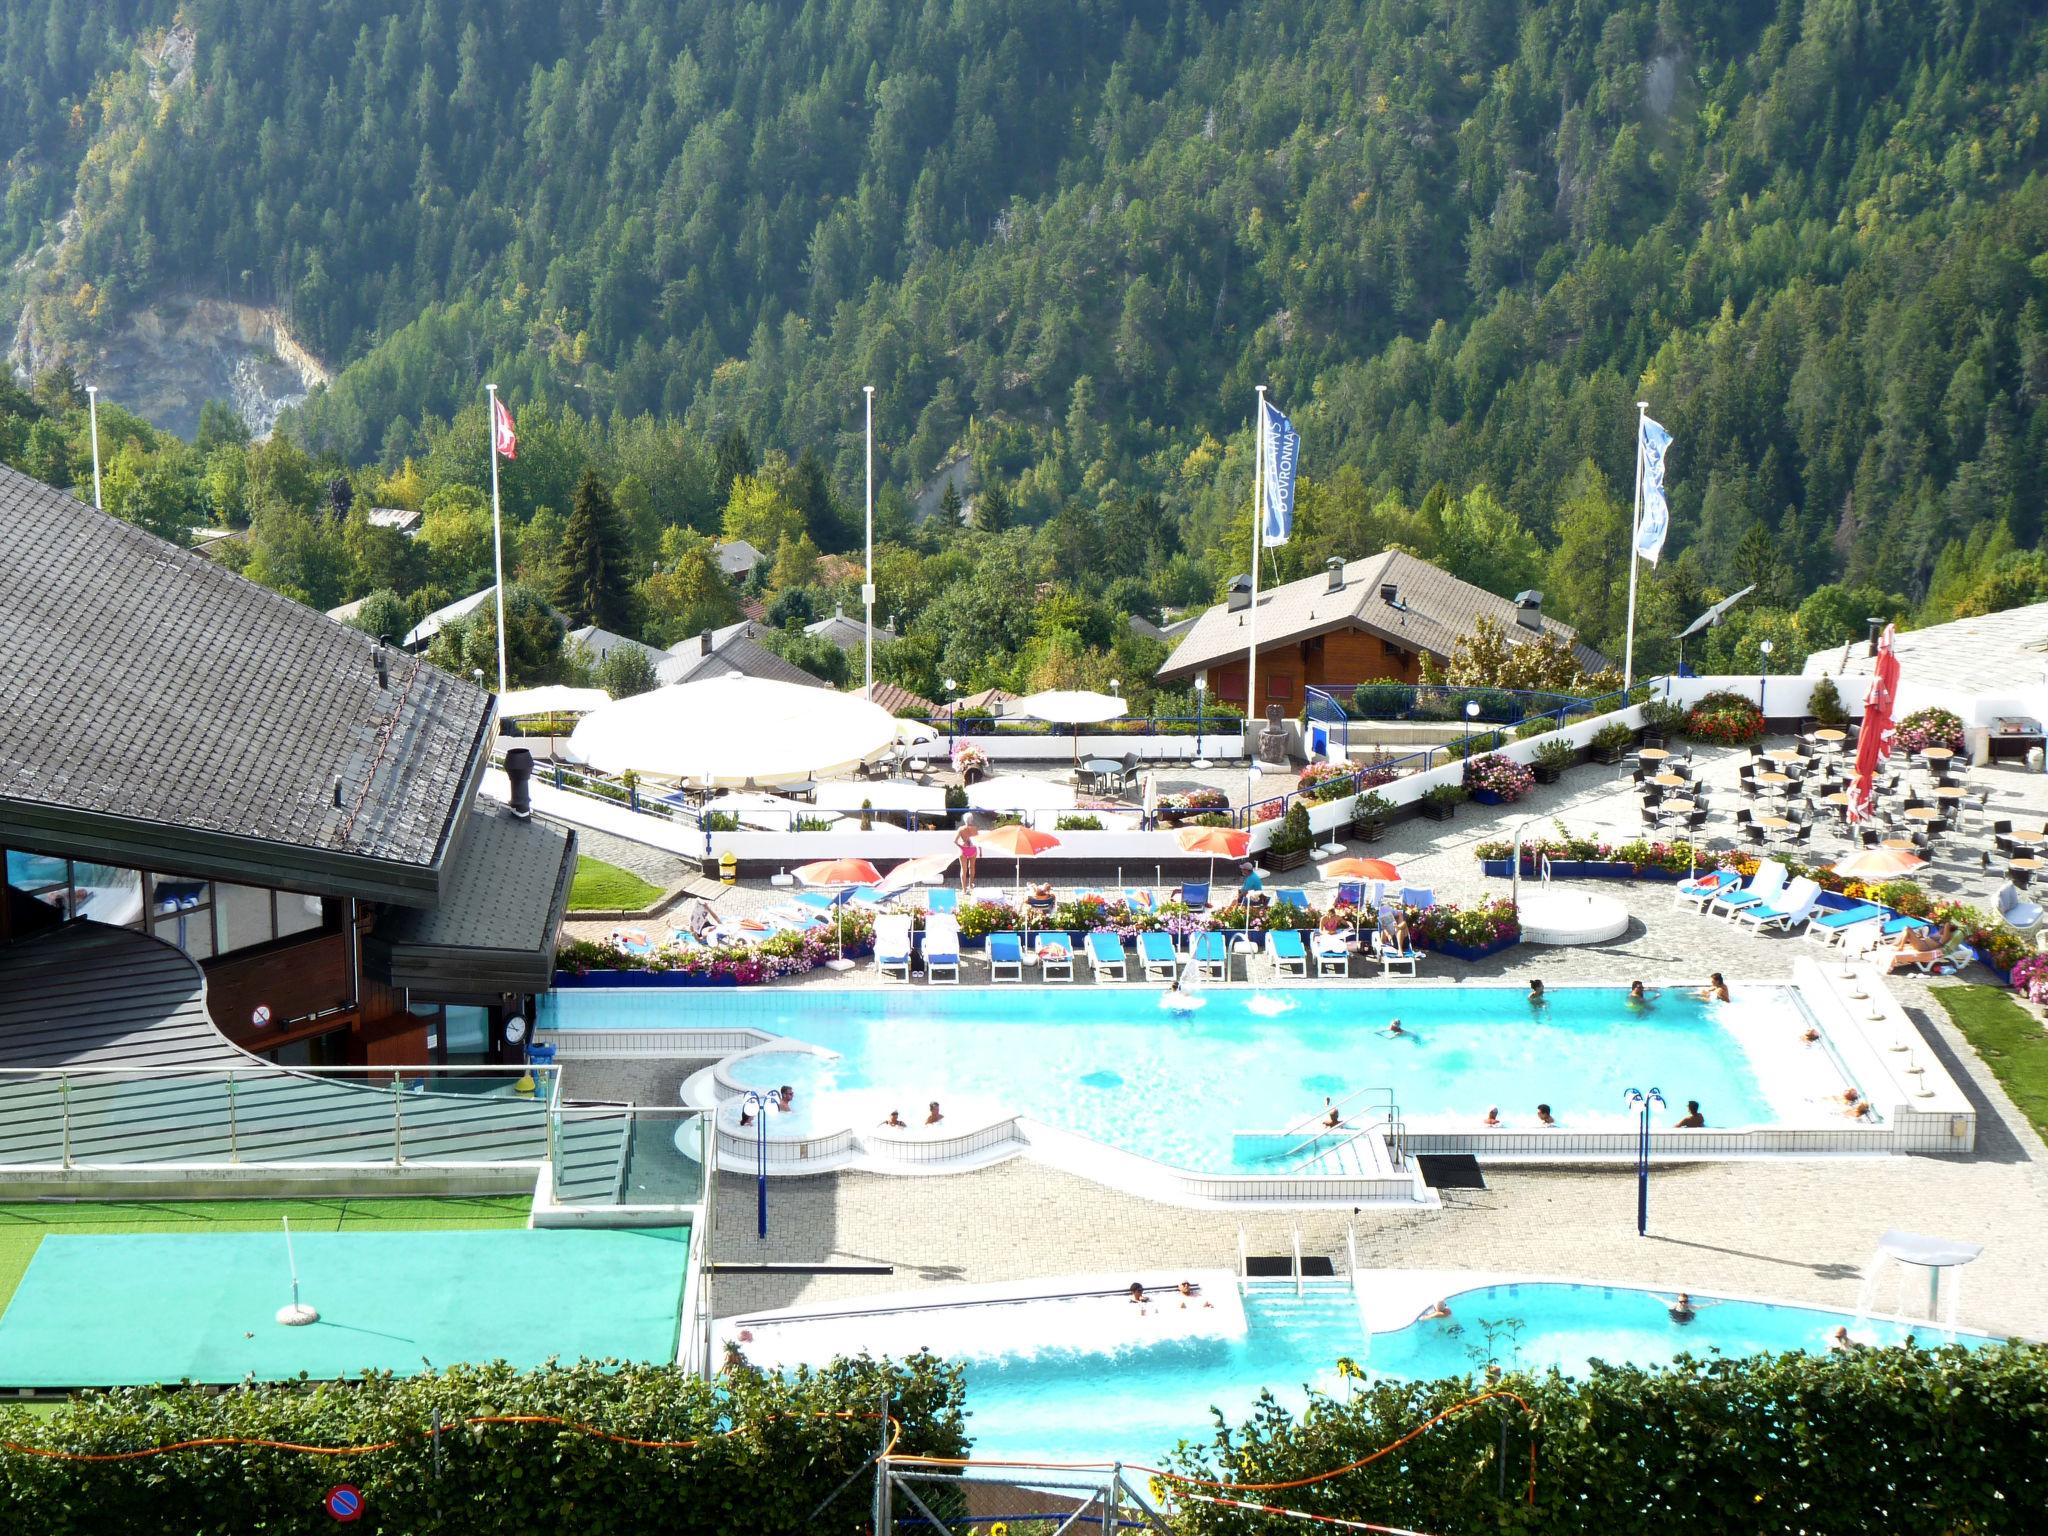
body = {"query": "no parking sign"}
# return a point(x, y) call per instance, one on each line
point(344, 1501)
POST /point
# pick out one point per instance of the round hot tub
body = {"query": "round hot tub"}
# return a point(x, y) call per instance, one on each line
point(1570, 917)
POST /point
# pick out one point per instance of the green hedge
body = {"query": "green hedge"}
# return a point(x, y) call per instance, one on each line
point(785, 1460)
point(1879, 1440)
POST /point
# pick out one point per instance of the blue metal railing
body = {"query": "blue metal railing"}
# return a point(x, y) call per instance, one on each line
point(1446, 702)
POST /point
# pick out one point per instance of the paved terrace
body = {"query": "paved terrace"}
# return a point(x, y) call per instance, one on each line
point(1795, 1229)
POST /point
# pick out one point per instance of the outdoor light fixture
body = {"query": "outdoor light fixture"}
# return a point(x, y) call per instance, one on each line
point(1763, 649)
point(1201, 695)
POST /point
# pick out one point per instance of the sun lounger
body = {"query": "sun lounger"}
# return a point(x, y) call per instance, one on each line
point(942, 949)
point(941, 899)
point(1106, 958)
point(1291, 897)
point(892, 946)
point(1195, 895)
point(1768, 880)
point(1698, 893)
point(1831, 927)
point(1158, 956)
point(1289, 957)
point(1055, 953)
point(1391, 956)
point(866, 896)
point(1350, 893)
point(1419, 897)
point(1212, 957)
point(1910, 951)
point(1784, 910)
point(1005, 957)
point(1332, 958)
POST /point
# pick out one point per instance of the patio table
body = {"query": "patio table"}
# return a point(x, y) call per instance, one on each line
point(1899, 844)
point(1670, 780)
point(1783, 755)
point(1936, 754)
point(1831, 736)
point(1653, 754)
point(1923, 813)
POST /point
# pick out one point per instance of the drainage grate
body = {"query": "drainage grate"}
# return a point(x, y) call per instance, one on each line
point(1280, 1266)
point(1450, 1170)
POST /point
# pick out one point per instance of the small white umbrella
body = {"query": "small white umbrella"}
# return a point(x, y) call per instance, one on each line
point(1016, 792)
point(1068, 706)
point(554, 699)
point(915, 733)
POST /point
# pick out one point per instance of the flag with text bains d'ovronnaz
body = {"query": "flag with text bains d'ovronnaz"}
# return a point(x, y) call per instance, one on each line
point(1655, 519)
point(1281, 455)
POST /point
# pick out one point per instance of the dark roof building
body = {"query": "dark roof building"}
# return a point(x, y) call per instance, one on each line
point(737, 558)
point(729, 652)
point(194, 757)
point(848, 634)
point(596, 644)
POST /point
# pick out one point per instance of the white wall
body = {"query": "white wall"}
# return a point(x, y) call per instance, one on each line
point(1054, 749)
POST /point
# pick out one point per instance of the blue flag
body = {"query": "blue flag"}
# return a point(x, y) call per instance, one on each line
point(1276, 469)
point(1654, 520)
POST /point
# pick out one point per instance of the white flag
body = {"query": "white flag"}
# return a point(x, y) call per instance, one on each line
point(1653, 521)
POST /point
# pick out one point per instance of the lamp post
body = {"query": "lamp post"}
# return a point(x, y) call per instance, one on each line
point(1201, 696)
point(952, 714)
point(1763, 667)
point(1640, 1102)
point(92, 405)
point(757, 1105)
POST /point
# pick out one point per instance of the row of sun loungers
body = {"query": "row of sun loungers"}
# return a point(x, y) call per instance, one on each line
point(1157, 957)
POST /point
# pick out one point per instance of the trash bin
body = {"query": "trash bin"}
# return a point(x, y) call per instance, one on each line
point(728, 868)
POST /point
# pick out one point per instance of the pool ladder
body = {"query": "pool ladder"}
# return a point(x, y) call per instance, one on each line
point(1244, 1261)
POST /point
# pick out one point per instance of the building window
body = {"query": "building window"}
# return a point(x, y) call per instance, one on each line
point(181, 913)
point(1279, 687)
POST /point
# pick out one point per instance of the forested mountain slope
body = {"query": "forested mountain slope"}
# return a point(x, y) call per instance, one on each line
point(1459, 238)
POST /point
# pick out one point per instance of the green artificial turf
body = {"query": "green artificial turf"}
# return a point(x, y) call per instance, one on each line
point(602, 887)
point(24, 1224)
point(2011, 1041)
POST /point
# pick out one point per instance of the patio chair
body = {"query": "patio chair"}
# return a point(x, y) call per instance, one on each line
point(1212, 957)
point(1333, 958)
point(1420, 897)
point(941, 899)
point(1005, 957)
point(1351, 893)
point(1831, 929)
point(1055, 953)
point(1291, 897)
point(942, 949)
point(2019, 914)
point(1106, 959)
point(1391, 956)
point(1697, 893)
point(1768, 880)
point(1786, 910)
point(1161, 961)
point(1194, 894)
point(892, 946)
point(1290, 958)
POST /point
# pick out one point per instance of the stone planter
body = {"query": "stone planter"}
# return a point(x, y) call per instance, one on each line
point(1369, 831)
point(1436, 811)
point(1294, 860)
point(640, 979)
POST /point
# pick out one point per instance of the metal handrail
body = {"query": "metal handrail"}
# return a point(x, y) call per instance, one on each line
point(1392, 1125)
point(1317, 1118)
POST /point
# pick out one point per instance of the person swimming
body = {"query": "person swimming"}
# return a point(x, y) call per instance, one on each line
point(1543, 1115)
point(896, 1121)
point(932, 1115)
point(1692, 1120)
point(1681, 1309)
point(1442, 1309)
point(1715, 991)
point(1637, 996)
point(1493, 1116)
point(1536, 997)
point(1332, 1119)
point(1394, 1029)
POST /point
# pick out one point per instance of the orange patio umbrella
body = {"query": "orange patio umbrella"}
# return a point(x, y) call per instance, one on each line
point(1879, 863)
point(1228, 842)
point(846, 872)
point(1360, 869)
point(1018, 841)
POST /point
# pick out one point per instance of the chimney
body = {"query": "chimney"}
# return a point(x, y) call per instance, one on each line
point(1238, 595)
point(1336, 570)
point(1390, 594)
point(382, 662)
point(704, 643)
point(1876, 629)
point(337, 794)
point(519, 770)
point(1529, 610)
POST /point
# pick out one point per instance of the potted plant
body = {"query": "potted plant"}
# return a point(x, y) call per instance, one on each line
point(1825, 703)
point(1495, 780)
point(1610, 742)
point(1292, 840)
point(970, 762)
point(1552, 758)
point(1931, 727)
point(1369, 814)
point(1441, 802)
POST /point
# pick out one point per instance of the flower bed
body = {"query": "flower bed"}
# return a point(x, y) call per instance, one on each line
point(2029, 978)
point(1587, 858)
point(1496, 780)
point(1926, 728)
point(598, 962)
point(1466, 933)
point(1732, 719)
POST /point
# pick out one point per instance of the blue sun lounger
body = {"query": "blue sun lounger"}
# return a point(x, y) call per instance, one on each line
point(1289, 957)
point(1005, 957)
point(1106, 957)
point(1212, 957)
point(1830, 927)
point(1055, 953)
point(1157, 954)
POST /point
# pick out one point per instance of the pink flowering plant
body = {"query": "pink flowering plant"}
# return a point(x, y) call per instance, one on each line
point(967, 755)
point(1498, 775)
point(2030, 978)
point(1926, 728)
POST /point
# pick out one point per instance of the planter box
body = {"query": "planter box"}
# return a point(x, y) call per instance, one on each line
point(1468, 952)
point(1369, 831)
point(1607, 754)
point(1582, 869)
point(1436, 812)
point(1292, 860)
point(1545, 774)
point(1487, 796)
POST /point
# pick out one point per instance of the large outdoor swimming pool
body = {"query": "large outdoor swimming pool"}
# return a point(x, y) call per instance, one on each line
point(1138, 1400)
point(1180, 1087)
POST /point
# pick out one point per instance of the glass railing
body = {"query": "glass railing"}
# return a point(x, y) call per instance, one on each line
point(637, 1157)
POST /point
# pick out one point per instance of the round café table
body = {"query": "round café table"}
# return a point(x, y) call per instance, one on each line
point(1783, 755)
point(1774, 778)
point(1840, 797)
point(1682, 807)
point(1773, 823)
point(1831, 736)
point(2028, 864)
point(1949, 792)
point(1936, 754)
point(1670, 780)
point(1653, 754)
point(1923, 813)
point(1899, 844)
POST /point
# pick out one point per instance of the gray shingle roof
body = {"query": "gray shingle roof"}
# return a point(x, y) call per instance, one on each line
point(442, 617)
point(86, 993)
point(1989, 653)
point(600, 643)
point(734, 653)
point(1436, 609)
point(736, 557)
point(848, 634)
point(158, 694)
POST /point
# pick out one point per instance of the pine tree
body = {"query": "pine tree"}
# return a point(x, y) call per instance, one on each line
point(735, 458)
point(593, 586)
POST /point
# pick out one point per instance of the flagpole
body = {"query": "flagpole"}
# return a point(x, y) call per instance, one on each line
point(497, 531)
point(867, 588)
point(92, 405)
point(1251, 664)
point(1635, 524)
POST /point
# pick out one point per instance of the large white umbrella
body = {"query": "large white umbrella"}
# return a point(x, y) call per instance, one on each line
point(771, 813)
point(915, 733)
point(554, 699)
point(882, 795)
point(734, 731)
point(1015, 792)
point(1068, 706)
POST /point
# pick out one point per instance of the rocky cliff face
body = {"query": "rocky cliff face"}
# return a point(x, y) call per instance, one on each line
point(166, 360)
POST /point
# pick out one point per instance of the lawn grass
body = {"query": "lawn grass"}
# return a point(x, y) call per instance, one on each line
point(24, 1224)
point(2011, 1041)
point(602, 887)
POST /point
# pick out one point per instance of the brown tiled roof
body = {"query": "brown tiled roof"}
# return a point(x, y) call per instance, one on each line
point(981, 703)
point(1435, 609)
point(898, 700)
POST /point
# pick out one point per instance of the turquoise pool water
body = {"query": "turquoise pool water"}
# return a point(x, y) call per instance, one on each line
point(1113, 1065)
point(1138, 1402)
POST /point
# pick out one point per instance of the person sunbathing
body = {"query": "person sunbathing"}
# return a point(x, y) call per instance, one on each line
point(1041, 898)
point(1916, 946)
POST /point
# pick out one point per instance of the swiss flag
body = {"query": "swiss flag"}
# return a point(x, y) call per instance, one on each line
point(501, 429)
